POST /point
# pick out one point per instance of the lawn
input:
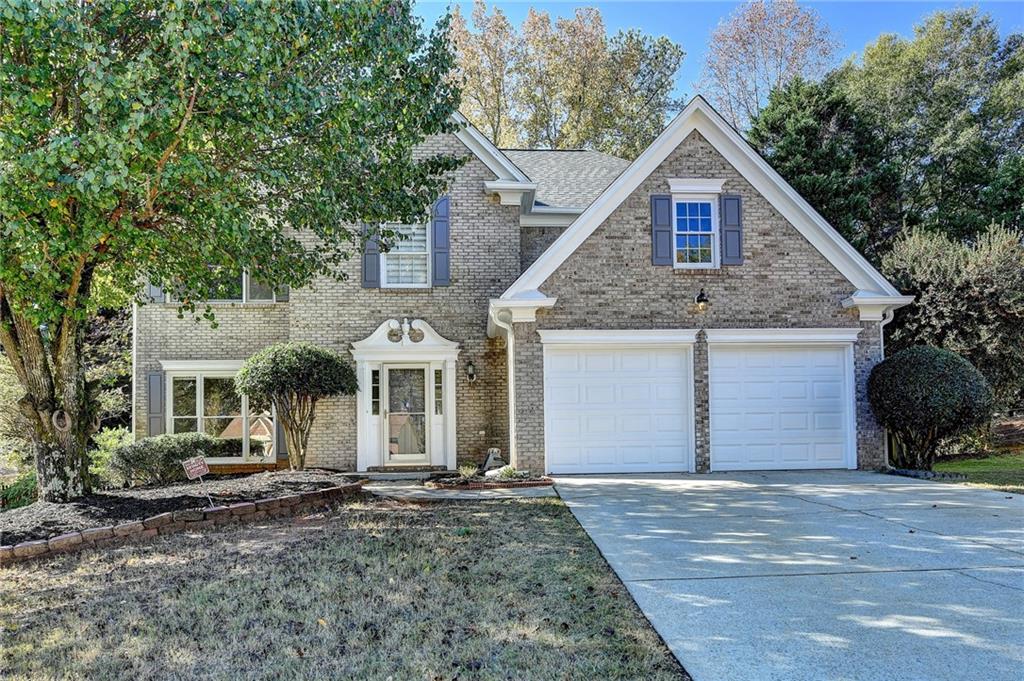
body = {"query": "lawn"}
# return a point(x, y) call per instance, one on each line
point(1004, 472)
point(509, 589)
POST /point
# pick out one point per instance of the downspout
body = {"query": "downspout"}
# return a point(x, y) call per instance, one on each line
point(503, 321)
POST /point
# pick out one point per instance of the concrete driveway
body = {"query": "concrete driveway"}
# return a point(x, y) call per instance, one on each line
point(817, 575)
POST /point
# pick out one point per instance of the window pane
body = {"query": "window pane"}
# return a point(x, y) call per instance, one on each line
point(375, 389)
point(405, 268)
point(220, 398)
point(406, 390)
point(438, 392)
point(183, 397)
point(680, 210)
point(227, 287)
point(410, 239)
point(261, 435)
point(229, 431)
point(186, 425)
point(705, 210)
point(260, 291)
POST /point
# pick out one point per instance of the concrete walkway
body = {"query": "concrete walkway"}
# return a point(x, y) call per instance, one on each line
point(817, 575)
point(417, 492)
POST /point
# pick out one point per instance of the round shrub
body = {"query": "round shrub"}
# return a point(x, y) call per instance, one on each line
point(924, 394)
point(293, 377)
point(157, 460)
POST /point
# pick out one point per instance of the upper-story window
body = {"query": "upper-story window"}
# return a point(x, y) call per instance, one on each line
point(407, 262)
point(696, 232)
point(243, 288)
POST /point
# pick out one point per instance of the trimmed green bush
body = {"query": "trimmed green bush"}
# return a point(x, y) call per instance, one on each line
point(924, 394)
point(105, 443)
point(157, 460)
point(22, 492)
point(294, 377)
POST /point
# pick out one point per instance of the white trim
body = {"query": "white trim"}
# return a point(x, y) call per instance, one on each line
point(874, 306)
point(699, 115)
point(484, 149)
point(203, 365)
point(695, 186)
point(512, 193)
point(781, 336)
point(382, 257)
point(632, 337)
point(549, 216)
point(688, 378)
point(715, 234)
point(523, 310)
point(428, 411)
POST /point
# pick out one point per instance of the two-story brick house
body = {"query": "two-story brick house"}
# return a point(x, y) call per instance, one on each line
point(687, 311)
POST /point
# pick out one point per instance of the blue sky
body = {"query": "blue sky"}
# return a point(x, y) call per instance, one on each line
point(689, 23)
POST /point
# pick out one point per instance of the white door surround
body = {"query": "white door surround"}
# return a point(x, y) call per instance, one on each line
point(782, 398)
point(618, 401)
point(405, 344)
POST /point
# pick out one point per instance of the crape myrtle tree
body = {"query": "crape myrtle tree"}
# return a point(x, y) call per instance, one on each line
point(181, 143)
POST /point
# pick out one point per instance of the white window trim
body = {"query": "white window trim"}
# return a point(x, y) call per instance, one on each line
point(429, 253)
point(782, 336)
point(632, 337)
point(716, 255)
point(200, 371)
point(244, 300)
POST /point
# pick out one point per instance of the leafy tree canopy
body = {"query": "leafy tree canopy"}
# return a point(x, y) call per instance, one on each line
point(183, 142)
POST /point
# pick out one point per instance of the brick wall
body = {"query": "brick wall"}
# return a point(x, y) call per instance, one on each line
point(484, 262)
point(609, 282)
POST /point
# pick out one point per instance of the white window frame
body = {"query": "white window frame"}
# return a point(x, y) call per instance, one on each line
point(716, 255)
point(244, 300)
point(428, 253)
point(200, 373)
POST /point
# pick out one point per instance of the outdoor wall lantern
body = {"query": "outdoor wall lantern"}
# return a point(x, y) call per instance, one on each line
point(702, 301)
point(471, 371)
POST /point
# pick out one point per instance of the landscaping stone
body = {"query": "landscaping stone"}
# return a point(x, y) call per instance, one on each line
point(150, 532)
point(243, 508)
point(198, 525)
point(291, 500)
point(216, 512)
point(268, 504)
point(95, 534)
point(65, 541)
point(171, 528)
point(190, 515)
point(158, 521)
point(125, 529)
point(6, 554)
point(31, 548)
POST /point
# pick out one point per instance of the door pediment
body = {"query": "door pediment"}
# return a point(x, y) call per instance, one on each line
point(408, 340)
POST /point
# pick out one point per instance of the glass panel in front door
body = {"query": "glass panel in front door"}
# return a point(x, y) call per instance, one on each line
point(407, 415)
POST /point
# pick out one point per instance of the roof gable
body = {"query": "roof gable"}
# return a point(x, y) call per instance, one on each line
point(699, 115)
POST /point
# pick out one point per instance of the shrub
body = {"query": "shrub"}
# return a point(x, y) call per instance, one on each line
point(158, 459)
point(22, 492)
point(106, 442)
point(294, 377)
point(924, 394)
point(469, 471)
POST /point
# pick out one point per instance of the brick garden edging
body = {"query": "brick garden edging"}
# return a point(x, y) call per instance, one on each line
point(176, 521)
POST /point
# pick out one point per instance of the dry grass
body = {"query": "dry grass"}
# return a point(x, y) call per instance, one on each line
point(481, 590)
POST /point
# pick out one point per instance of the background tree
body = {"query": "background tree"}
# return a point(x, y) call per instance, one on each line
point(947, 107)
point(566, 84)
point(970, 300)
point(762, 46)
point(831, 152)
point(294, 377)
point(184, 143)
point(487, 59)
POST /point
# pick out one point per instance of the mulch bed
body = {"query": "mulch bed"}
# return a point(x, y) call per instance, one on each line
point(42, 519)
point(488, 483)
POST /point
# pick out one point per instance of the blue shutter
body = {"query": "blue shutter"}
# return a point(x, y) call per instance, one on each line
point(155, 416)
point(371, 260)
point(440, 247)
point(154, 293)
point(661, 229)
point(732, 230)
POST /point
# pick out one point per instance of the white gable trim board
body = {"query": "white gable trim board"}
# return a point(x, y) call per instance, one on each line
point(700, 116)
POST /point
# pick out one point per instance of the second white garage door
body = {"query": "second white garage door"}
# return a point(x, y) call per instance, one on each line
point(617, 409)
point(775, 407)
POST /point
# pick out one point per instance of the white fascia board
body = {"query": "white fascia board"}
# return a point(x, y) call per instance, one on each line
point(873, 306)
point(659, 337)
point(492, 157)
point(538, 218)
point(201, 365)
point(695, 186)
point(513, 193)
point(699, 115)
point(513, 311)
point(781, 336)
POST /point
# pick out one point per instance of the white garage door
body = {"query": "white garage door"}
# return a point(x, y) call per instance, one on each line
point(617, 410)
point(780, 407)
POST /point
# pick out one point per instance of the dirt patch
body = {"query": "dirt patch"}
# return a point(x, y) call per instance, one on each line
point(41, 519)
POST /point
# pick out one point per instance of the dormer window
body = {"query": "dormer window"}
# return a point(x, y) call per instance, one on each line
point(407, 262)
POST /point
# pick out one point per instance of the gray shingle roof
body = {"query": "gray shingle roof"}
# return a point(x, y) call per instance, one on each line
point(568, 178)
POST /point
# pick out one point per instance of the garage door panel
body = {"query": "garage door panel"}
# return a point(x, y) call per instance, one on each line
point(617, 409)
point(778, 407)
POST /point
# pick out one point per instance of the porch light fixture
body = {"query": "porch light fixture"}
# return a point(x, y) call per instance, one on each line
point(471, 371)
point(702, 301)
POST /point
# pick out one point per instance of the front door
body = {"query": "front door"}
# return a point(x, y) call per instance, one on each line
point(405, 402)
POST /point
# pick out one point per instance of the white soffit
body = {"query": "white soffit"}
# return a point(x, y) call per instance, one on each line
point(699, 115)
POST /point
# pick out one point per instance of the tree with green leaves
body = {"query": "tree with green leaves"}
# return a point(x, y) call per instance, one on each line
point(182, 143)
point(831, 152)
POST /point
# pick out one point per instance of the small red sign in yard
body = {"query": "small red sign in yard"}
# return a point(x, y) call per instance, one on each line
point(195, 467)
